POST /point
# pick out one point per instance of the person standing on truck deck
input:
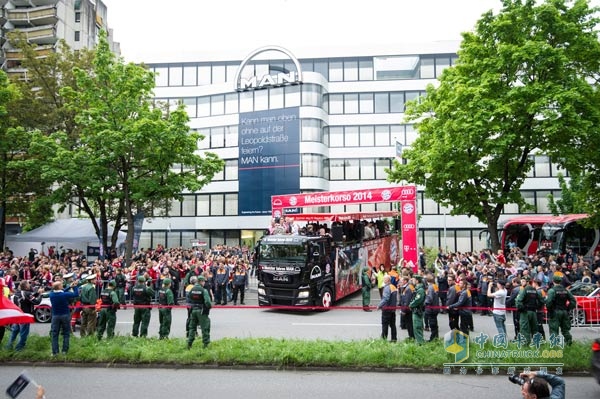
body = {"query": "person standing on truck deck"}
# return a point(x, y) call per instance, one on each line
point(388, 309)
point(366, 290)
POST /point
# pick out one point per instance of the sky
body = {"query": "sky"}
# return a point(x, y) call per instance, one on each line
point(193, 30)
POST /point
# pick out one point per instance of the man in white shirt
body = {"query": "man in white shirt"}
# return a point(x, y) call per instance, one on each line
point(499, 307)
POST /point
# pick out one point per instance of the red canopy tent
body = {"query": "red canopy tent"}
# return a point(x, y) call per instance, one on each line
point(11, 313)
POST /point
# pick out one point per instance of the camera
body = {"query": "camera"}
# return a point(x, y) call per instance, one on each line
point(516, 379)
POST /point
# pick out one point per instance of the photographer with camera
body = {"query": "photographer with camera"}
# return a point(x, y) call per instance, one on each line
point(534, 385)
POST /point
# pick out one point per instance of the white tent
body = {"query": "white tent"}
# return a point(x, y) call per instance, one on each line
point(68, 233)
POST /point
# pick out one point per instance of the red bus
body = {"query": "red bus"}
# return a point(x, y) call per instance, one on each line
point(549, 234)
point(564, 232)
point(522, 232)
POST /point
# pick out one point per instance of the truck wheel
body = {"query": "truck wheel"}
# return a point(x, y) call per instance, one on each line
point(326, 299)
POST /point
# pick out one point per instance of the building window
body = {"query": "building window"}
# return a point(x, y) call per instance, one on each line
point(77, 35)
point(78, 16)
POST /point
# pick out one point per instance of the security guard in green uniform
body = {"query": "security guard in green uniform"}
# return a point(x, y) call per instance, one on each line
point(142, 296)
point(108, 314)
point(121, 282)
point(417, 306)
point(88, 300)
point(199, 301)
point(560, 302)
point(529, 301)
point(166, 299)
point(366, 290)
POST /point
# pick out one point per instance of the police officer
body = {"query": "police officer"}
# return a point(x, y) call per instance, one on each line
point(560, 302)
point(88, 300)
point(366, 290)
point(451, 298)
point(432, 303)
point(417, 306)
point(199, 302)
point(142, 296)
point(108, 313)
point(529, 301)
point(166, 300)
point(463, 307)
point(121, 282)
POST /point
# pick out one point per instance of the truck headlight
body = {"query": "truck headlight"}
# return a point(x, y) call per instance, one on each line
point(302, 294)
point(261, 291)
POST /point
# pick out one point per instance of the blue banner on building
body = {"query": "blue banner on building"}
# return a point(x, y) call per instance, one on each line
point(269, 158)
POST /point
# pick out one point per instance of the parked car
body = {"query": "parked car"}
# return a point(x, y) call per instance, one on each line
point(43, 312)
point(588, 303)
point(596, 359)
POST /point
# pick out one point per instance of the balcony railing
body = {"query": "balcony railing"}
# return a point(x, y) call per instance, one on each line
point(35, 16)
point(40, 34)
point(17, 54)
point(35, 3)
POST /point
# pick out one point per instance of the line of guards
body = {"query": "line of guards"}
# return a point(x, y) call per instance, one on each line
point(99, 314)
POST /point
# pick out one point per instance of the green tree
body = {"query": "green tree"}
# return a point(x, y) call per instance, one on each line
point(129, 153)
point(567, 203)
point(40, 110)
point(519, 88)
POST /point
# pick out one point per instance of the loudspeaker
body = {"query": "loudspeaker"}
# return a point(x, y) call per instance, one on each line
point(337, 232)
point(397, 224)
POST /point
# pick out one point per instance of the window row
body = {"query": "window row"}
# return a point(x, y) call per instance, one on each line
point(333, 70)
point(314, 130)
point(536, 199)
point(293, 96)
point(249, 101)
point(369, 103)
point(185, 238)
point(220, 204)
point(370, 135)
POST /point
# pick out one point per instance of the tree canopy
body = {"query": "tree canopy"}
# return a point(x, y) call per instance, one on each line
point(130, 153)
point(523, 85)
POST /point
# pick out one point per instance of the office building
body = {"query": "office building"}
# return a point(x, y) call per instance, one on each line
point(289, 121)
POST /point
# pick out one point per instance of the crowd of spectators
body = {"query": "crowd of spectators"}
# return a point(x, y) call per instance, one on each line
point(157, 264)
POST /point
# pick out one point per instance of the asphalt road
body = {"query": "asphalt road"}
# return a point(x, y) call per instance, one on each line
point(346, 321)
point(102, 383)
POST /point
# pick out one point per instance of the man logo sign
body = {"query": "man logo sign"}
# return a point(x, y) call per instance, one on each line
point(261, 82)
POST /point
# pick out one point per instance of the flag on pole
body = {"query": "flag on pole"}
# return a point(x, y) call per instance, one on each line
point(398, 149)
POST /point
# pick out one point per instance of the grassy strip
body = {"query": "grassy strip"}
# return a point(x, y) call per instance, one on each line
point(278, 353)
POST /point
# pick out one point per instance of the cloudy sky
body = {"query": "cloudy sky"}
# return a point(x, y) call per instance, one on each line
point(180, 30)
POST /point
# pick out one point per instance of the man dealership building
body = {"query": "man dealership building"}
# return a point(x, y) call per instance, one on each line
point(286, 122)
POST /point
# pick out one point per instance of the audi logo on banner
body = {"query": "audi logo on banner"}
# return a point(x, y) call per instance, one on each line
point(409, 226)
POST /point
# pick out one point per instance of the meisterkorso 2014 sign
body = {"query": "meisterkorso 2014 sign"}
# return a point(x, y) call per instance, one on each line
point(406, 195)
point(243, 83)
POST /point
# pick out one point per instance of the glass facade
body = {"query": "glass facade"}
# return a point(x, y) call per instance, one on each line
point(349, 125)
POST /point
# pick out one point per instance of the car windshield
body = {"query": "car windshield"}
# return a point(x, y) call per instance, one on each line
point(582, 289)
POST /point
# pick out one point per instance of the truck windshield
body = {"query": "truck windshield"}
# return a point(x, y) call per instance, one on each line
point(282, 252)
